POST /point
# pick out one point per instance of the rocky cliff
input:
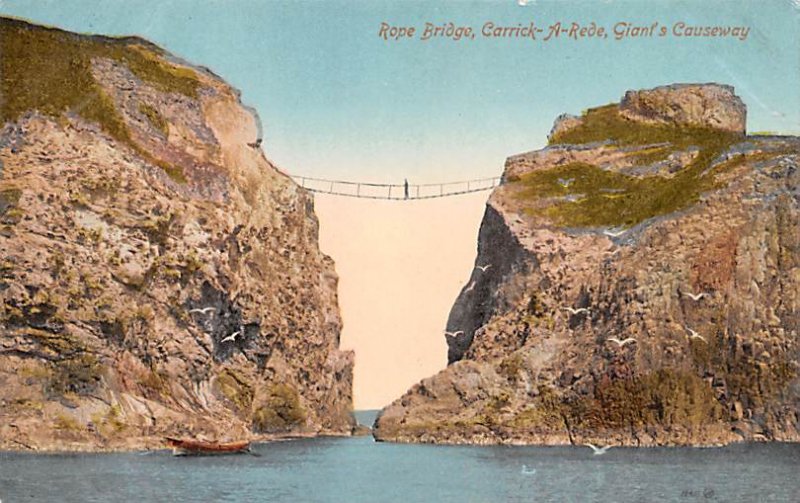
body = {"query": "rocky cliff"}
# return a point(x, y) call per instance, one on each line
point(158, 276)
point(639, 284)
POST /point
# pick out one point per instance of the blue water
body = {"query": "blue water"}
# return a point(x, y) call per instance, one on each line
point(366, 417)
point(361, 470)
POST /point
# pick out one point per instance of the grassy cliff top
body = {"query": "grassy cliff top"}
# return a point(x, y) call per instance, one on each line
point(49, 70)
point(605, 123)
point(598, 197)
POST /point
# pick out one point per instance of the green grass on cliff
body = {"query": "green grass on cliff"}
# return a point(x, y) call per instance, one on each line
point(605, 198)
point(663, 398)
point(155, 118)
point(236, 389)
point(9, 198)
point(49, 70)
point(605, 123)
point(280, 411)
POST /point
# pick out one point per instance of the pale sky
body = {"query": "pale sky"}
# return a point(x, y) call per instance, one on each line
point(401, 265)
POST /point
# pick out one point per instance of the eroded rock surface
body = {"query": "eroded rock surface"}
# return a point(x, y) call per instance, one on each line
point(709, 105)
point(593, 238)
point(158, 276)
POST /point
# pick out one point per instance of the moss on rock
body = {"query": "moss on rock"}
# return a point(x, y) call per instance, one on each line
point(50, 70)
point(9, 199)
point(79, 374)
point(155, 118)
point(599, 197)
point(280, 411)
point(663, 398)
point(236, 389)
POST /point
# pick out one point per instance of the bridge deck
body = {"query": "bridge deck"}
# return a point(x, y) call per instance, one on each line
point(395, 192)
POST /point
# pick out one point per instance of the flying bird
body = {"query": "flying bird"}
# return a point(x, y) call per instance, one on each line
point(621, 343)
point(453, 334)
point(255, 144)
point(527, 471)
point(205, 310)
point(576, 311)
point(598, 450)
point(565, 182)
point(575, 198)
point(470, 287)
point(615, 234)
point(695, 335)
point(231, 337)
point(694, 296)
point(483, 267)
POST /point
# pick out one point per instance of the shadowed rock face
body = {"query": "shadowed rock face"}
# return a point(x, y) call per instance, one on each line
point(116, 228)
point(627, 218)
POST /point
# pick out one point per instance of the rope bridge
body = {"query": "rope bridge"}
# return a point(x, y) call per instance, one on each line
point(395, 191)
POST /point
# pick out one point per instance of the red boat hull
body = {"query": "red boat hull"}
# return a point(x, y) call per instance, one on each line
point(188, 447)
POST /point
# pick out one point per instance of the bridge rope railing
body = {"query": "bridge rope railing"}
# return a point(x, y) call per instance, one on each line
point(395, 191)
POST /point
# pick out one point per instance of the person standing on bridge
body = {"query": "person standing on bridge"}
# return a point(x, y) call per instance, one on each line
point(405, 187)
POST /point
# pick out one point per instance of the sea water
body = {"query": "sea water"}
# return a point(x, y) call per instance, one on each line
point(361, 470)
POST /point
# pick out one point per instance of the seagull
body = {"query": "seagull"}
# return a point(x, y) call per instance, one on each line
point(565, 182)
point(483, 267)
point(623, 342)
point(453, 334)
point(470, 287)
point(695, 335)
point(575, 198)
point(598, 450)
point(231, 337)
point(615, 234)
point(693, 296)
point(576, 311)
point(527, 471)
point(205, 310)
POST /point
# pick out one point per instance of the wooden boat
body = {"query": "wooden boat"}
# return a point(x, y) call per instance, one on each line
point(189, 447)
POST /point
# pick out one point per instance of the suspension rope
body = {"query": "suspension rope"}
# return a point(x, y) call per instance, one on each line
point(401, 192)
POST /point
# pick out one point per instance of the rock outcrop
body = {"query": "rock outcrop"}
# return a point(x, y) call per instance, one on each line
point(158, 276)
point(676, 237)
point(703, 105)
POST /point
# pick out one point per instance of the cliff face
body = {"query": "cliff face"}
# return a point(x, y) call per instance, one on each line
point(656, 220)
point(158, 276)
